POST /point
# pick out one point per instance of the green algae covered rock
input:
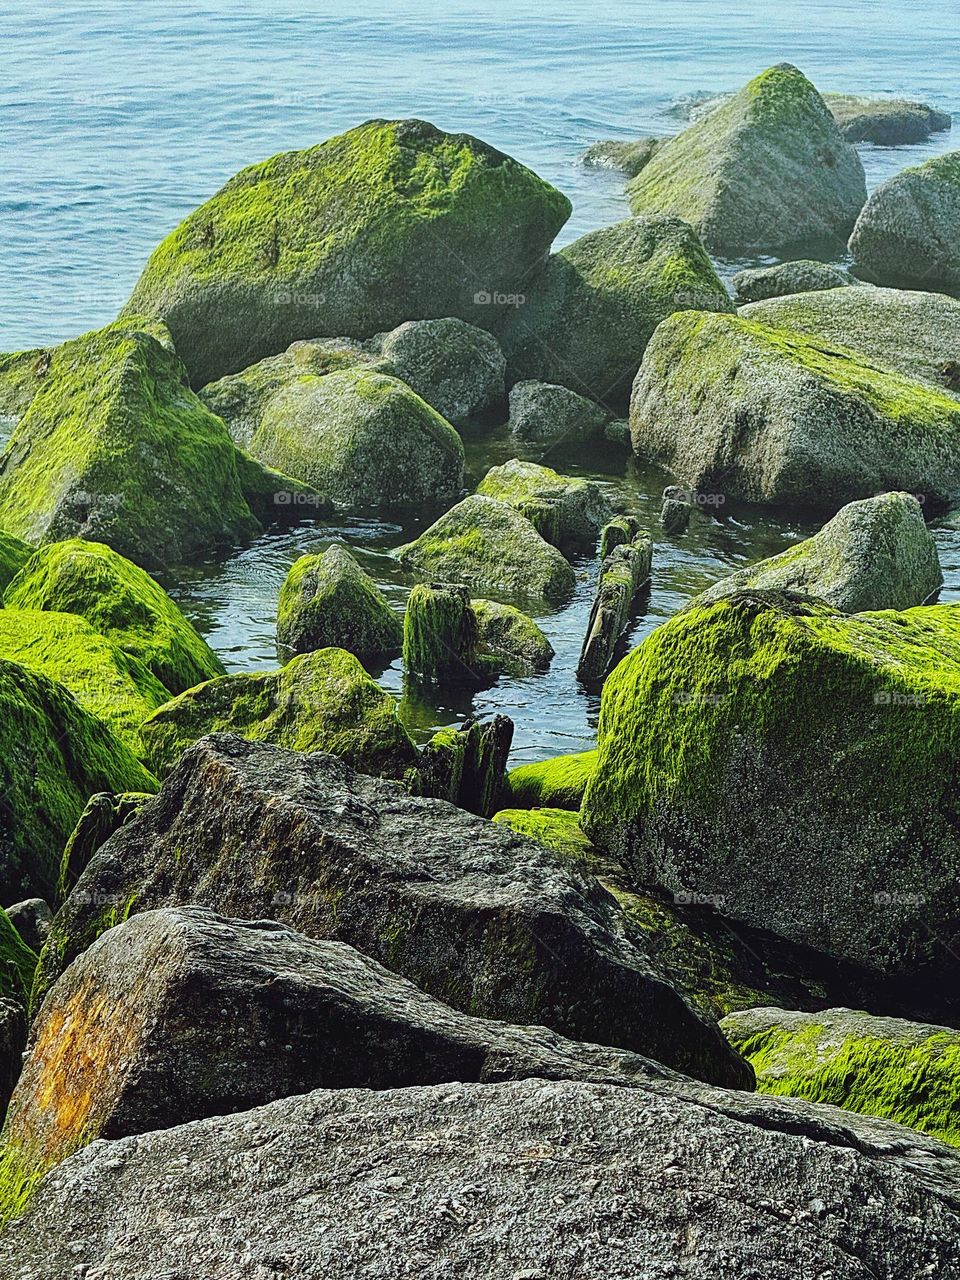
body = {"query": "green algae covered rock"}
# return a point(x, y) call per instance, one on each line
point(909, 331)
point(122, 602)
point(625, 157)
point(439, 635)
point(557, 829)
point(873, 554)
point(909, 230)
point(484, 544)
point(327, 601)
point(53, 756)
point(887, 1067)
point(353, 236)
point(587, 317)
point(14, 554)
point(552, 784)
point(320, 701)
point(457, 368)
point(546, 413)
point(18, 964)
point(465, 764)
point(772, 415)
point(803, 276)
point(567, 511)
point(113, 447)
point(362, 438)
point(795, 765)
point(510, 639)
point(766, 169)
point(109, 683)
point(886, 122)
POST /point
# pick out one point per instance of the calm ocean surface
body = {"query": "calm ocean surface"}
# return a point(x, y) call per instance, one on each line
point(117, 119)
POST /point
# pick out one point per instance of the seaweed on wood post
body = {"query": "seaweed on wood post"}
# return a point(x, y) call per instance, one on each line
point(622, 575)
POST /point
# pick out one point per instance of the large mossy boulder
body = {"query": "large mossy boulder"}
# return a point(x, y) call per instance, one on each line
point(327, 601)
point(457, 368)
point(394, 220)
point(113, 686)
point(486, 545)
point(773, 415)
point(909, 230)
point(795, 766)
point(567, 511)
point(803, 276)
point(886, 122)
point(767, 169)
point(913, 332)
point(53, 756)
point(586, 318)
point(320, 701)
point(114, 448)
point(122, 602)
point(873, 554)
point(363, 438)
point(887, 1067)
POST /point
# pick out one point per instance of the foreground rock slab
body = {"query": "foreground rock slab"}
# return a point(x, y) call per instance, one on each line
point(533, 1179)
point(453, 903)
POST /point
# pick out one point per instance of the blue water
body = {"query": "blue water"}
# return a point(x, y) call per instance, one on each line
point(116, 119)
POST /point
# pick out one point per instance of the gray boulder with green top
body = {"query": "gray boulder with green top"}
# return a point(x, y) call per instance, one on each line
point(114, 448)
point(328, 601)
point(320, 701)
point(456, 367)
point(14, 554)
point(567, 511)
point(363, 438)
point(773, 415)
point(510, 639)
point(886, 122)
point(449, 638)
point(873, 554)
point(897, 1070)
point(909, 230)
point(588, 315)
point(913, 332)
point(624, 157)
point(486, 545)
point(393, 220)
point(803, 276)
point(122, 602)
point(546, 413)
point(793, 765)
point(766, 169)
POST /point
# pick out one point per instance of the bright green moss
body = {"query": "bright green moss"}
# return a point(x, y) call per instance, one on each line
point(557, 829)
point(510, 640)
point(122, 602)
point(558, 783)
point(439, 635)
point(14, 554)
point(328, 601)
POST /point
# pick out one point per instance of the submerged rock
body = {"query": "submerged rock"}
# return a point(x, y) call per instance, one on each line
point(625, 570)
point(587, 317)
point(557, 783)
point(625, 157)
point(320, 701)
point(114, 448)
point(543, 412)
point(796, 765)
point(766, 169)
point(484, 544)
point(456, 367)
point(437, 895)
point(465, 765)
point(909, 230)
point(120, 601)
point(344, 1182)
point(363, 438)
point(353, 236)
point(886, 122)
point(675, 510)
point(873, 554)
point(885, 1067)
point(803, 276)
point(565, 510)
point(327, 601)
point(773, 415)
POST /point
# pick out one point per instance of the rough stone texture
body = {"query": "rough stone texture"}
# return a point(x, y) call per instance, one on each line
point(453, 903)
point(873, 554)
point(567, 511)
point(484, 544)
point(886, 1067)
point(510, 640)
point(523, 1180)
point(31, 919)
point(765, 170)
point(587, 317)
point(625, 157)
point(794, 766)
point(622, 574)
point(909, 230)
point(363, 438)
point(120, 601)
point(546, 413)
point(803, 276)
point(773, 415)
point(465, 764)
point(886, 122)
point(328, 601)
point(675, 510)
point(394, 220)
point(53, 757)
point(320, 701)
point(13, 1041)
point(114, 448)
point(912, 332)
point(456, 367)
